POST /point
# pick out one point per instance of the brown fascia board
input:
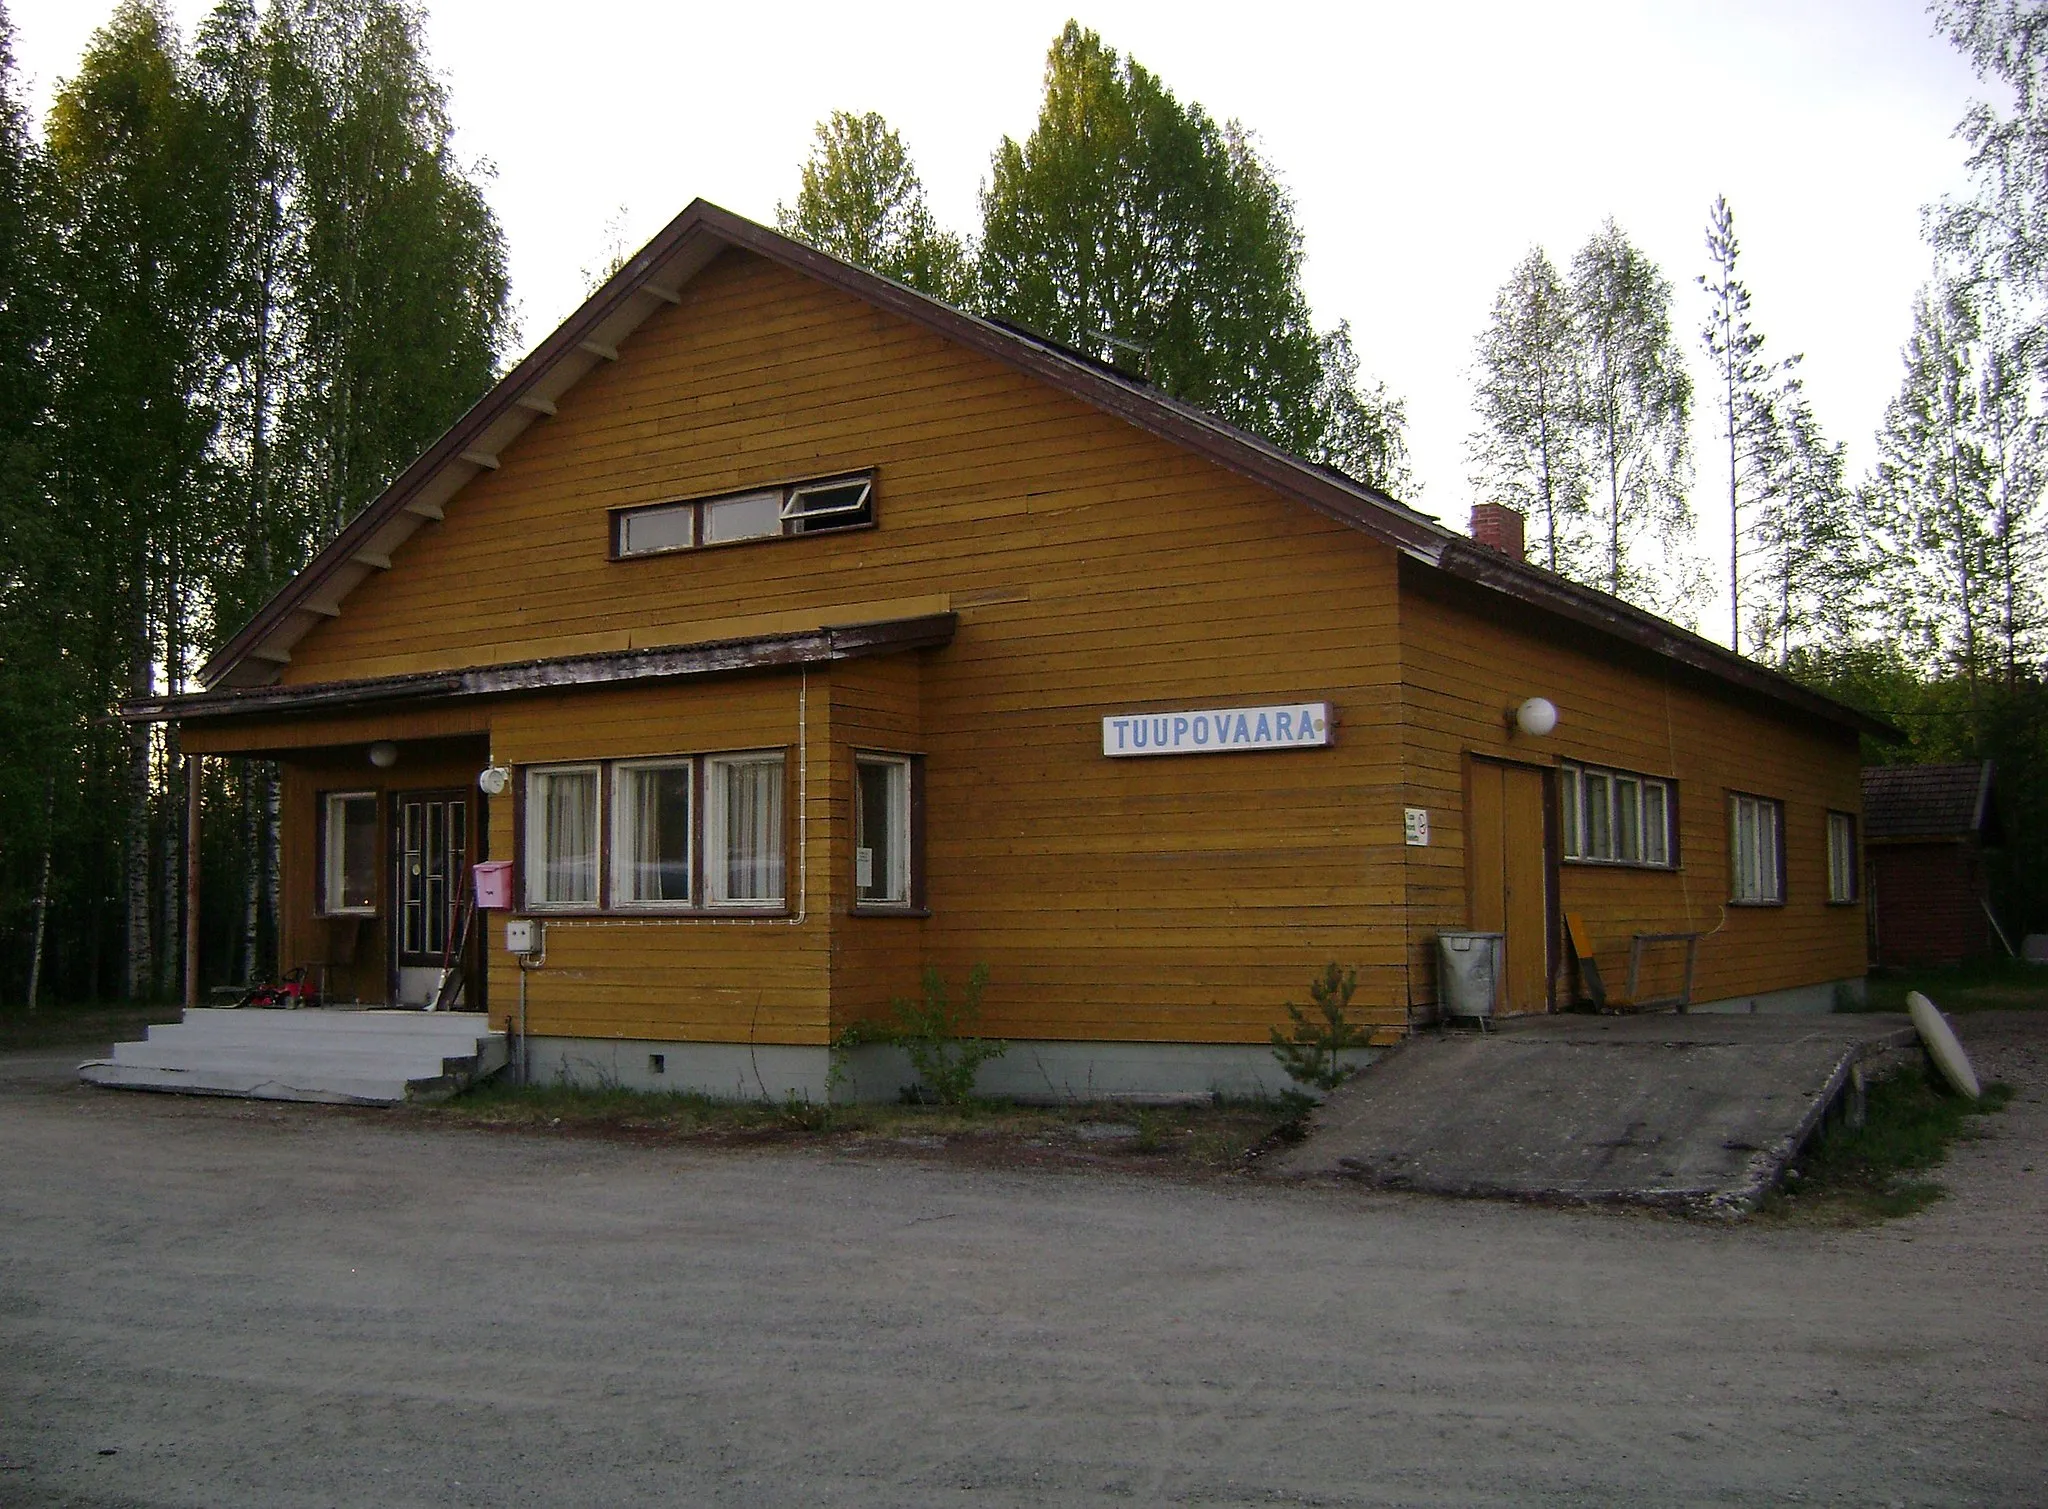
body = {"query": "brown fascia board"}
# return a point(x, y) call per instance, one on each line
point(666, 663)
point(1344, 499)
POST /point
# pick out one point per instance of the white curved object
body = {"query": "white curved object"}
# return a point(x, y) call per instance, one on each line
point(1942, 1046)
point(1536, 717)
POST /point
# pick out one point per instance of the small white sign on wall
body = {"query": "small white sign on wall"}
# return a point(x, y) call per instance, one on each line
point(1415, 824)
point(864, 867)
point(1219, 730)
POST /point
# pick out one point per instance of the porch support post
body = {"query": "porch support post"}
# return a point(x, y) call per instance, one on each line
point(194, 767)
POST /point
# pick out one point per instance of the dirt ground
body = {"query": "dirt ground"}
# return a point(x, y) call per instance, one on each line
point(216, 1302)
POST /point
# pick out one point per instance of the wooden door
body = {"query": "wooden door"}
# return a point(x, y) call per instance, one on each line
point(430, 851)
point(1508, 865)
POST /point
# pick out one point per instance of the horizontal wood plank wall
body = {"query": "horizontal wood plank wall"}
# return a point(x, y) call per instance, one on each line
point(1098, 570)
point(302, 781)
point(875, 706)
point(1468, 660)
point(703, 979)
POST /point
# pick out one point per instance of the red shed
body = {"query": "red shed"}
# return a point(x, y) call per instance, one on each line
point(1926, 828)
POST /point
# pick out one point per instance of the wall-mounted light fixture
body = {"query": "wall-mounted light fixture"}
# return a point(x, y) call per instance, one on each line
point(1535, 717)
point(493, 780)
point(383, 754)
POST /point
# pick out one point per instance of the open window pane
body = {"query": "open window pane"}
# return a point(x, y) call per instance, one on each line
point(561, 837)
point(350, 884)
point(828, 505)
point(743, 830)
point(881, 856)
point(651, 833)
point(745, 518)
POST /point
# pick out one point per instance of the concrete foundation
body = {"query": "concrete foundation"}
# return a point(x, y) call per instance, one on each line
point(1803, 1000)
point(1034, 1071)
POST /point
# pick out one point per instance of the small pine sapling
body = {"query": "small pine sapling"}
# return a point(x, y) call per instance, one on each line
point(1312, 1055)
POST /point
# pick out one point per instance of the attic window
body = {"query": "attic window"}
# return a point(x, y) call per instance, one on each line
point(765, 513)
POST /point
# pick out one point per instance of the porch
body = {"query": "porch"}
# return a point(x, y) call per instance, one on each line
point(339, 1056)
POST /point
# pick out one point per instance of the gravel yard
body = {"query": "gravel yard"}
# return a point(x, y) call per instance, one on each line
point(219, 1302)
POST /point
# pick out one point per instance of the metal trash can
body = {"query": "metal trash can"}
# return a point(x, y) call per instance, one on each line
point(1468, 970)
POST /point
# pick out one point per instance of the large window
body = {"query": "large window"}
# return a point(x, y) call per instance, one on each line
point(764, 513)
point(1842, 858)
point(1616, 817)
point(561, 836)
point(882, 839)
point(349, 839)
point(1756, 854)
point(651, 828)
point(743, 830)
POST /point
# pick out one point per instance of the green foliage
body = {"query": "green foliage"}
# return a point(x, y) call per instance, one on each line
point(861, 200)
point(938, 1035)
point(1312, 1052)
point(1530, 450)
point(1134, 228)
point(1911, 1121)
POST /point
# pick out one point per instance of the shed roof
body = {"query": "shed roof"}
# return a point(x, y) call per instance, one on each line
point(1927, 801)
point(654, 278)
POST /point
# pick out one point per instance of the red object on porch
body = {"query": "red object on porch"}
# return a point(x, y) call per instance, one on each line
point(494, 885)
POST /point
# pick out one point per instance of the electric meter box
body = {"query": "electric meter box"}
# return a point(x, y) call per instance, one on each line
point(520, 936)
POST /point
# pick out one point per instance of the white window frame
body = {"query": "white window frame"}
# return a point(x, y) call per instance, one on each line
point(334, 829)
point(902, 877)
point(716, 819)
point(1845, 880)
point(1757, 877)
point(620, 848)
point(1620, 790)
point(785, 500)
point(535, 857)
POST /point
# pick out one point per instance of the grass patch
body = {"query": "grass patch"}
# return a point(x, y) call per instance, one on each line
point(1987, 985)
point(80, 1026)
point(1210, 1137)
point(1851, 1176)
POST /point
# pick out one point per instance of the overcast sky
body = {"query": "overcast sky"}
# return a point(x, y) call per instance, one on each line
point(1427, 147)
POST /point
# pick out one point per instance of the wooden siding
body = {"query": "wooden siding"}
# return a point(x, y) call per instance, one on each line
point(694, 978)
point(1468, 660)
point(1097, 569)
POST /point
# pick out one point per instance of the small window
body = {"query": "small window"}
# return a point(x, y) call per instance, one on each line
point(881, 852)
point(1615, 817)
point(1842, 866)
point(651, 832)
point(743, 848)
point(1756, 853)
point(350, 882)
point(561, 836)
point(762, 514)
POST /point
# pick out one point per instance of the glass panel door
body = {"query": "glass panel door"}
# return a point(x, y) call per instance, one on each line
point(433, 854)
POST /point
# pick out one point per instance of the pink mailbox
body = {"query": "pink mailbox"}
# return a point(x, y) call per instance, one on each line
point(494, 885)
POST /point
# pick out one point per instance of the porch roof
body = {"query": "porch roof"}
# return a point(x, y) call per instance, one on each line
point(665, 663)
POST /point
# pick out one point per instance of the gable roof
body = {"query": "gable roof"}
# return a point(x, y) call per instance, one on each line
point(655, 277)
point(1927, 801)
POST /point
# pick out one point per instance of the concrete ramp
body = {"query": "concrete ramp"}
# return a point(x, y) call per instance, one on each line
point(336, 1056)
point(1698, 1113)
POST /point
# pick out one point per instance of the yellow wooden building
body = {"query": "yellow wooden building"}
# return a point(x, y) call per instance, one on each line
point(813, 632)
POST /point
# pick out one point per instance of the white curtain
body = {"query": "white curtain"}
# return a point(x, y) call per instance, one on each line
point(565, 802)
point(745, 858)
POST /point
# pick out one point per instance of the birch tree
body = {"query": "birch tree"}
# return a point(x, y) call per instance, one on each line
point(861, 200)
point(1530, 449)
point(1638, 402)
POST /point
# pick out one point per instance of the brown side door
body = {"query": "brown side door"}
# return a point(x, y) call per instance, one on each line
point(1509, 869)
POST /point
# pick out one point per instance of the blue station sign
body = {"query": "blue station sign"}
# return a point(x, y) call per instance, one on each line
point(1219, 730)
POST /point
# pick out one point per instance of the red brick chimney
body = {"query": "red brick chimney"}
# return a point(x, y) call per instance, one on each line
point(1498, 527)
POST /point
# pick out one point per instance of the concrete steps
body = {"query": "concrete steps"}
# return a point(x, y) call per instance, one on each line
point(337, 1057)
